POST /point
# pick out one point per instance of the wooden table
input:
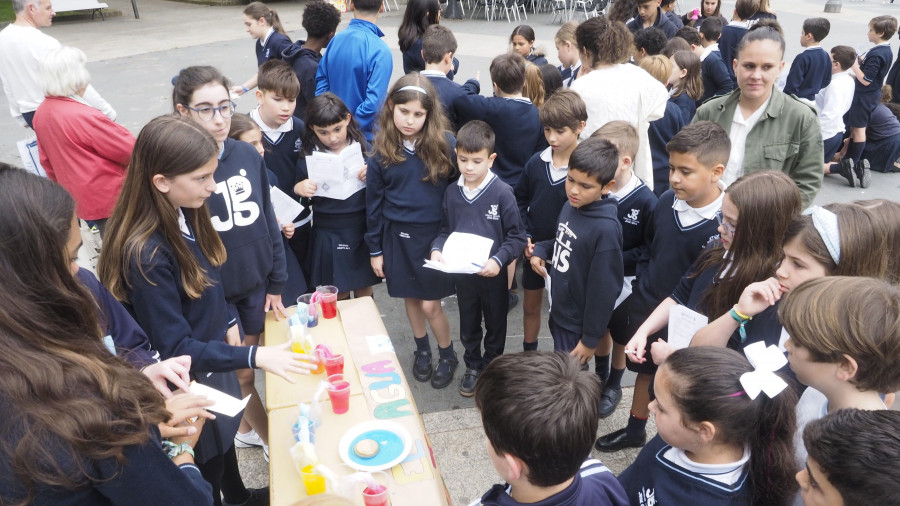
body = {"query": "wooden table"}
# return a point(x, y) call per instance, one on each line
point(378, 391)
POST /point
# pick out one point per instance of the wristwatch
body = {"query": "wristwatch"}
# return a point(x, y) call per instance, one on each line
point(173, 450)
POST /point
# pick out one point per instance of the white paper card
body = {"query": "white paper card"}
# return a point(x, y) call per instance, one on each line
point(31, 161)
point(336, 176)
point(379, 344)
point(683, 324)
point(626, 290)
point(286, 208)
point(224, 403)
point(463, 254)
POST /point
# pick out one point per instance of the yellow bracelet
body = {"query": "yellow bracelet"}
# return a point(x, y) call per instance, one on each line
point(743, 316)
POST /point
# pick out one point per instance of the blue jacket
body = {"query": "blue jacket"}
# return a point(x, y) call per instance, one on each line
point(357, 68)
point(810, 72)
point(663, 22)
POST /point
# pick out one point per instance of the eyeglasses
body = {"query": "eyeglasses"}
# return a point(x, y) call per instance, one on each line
point(728, 226)
point(208, 113)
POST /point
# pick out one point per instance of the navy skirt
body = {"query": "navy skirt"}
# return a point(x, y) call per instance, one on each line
point(338, 254)
point(217, 435)
point(861, 108)
point(406, 246)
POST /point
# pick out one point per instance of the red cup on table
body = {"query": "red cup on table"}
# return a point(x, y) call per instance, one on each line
point(328, 299)
point(334, 365)
point(376, 497)
point(339, 393)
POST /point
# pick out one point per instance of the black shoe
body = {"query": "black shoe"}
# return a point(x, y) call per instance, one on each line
point(615, 441)
point(846, 169)
point(609, 399)
point(258, 497)
point(422, 365)
point(863, 173)
point(467, 386)
point(443, 373)
point(513, 301)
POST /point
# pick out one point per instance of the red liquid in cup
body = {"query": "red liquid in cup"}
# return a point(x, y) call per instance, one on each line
point(329, 309)
point(339, 393)
point(376, 497)
point(334, 365)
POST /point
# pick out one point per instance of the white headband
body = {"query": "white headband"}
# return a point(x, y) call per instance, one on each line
point(826, 224)
point(414, 88)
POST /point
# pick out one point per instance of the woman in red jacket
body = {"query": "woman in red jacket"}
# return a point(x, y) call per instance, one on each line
point(80, 148)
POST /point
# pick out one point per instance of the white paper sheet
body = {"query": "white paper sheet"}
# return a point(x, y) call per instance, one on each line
point(286, 208)
point(31, 161)
point(336, 176)
point(683, 324)
point(224, 403)
point(463, 254)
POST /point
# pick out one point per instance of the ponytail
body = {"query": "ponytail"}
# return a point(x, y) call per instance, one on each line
point(258, 10)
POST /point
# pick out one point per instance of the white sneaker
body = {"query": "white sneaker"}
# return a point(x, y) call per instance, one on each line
point(247, 440)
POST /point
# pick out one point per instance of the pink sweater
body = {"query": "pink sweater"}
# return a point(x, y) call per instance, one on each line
point(85, 152)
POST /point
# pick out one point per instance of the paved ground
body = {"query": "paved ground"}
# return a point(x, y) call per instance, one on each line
point(132, 62)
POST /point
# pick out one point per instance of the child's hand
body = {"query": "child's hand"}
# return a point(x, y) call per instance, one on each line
point(237, 90)
point(660, 351)
point(582, 353)
point(288, 230)
point(538, 266)
point(233, 335)
point(636, 347)
point(529, 249)
point(174, 370)
point(378, 265)
point(362, 173)
point(306, 188)
point(491, 269)
point(758, 296)
point(436, 256)
point(280, 360)
point(478, 76)
point(183, 407)
point(274, 303)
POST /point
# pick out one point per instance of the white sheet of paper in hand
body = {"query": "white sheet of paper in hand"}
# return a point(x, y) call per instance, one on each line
point(286, 208)
point(683, 324)
point(464, 253)
point(336, 176)
point(224, 403)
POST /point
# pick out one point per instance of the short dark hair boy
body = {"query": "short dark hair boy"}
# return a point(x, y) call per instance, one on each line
point(711, 30)
point(437, 41)
point(475, 136)
point(564, 109)
point(598, 158)
point(705, 140)
point(651, 14)
point(320, 20)
point(690, 35)
point(649, 41)
point(817, 27)
point(714, 70)
point(366, 6)
point(885, 25)
point(851, 457)
point(508, 72)
point(278, 77)
point(548, 443)
point(438, 46)
point(844, 56)
point(811, 69)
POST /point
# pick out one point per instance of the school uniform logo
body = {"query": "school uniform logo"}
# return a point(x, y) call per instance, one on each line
point(297, 145)
point(633, 217)
point(647, 497)
point(562, 248)
point(236, 191)
point(493, 214)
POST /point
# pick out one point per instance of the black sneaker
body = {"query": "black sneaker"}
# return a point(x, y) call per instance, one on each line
point(422, 365)
point(513, 301)
point(846, 170)
point(863, 173)
point(467, 386)
point(443, 373)
point(609, 399)
point(258, 497)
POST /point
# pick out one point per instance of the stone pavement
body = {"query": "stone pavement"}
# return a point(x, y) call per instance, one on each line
point(132, 61)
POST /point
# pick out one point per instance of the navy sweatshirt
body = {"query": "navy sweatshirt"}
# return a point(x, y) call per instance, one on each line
point(242, 214)
point(305, 63)
point(398, 193)
point(536, 58)
point(654, 479)
point(273, 49)
point(893, 78)
point(517, 127)
point(663, 22)
point(716, 77)
point(540, 199)
point(129, 338)
point(584, 263)
point(660, 133)
point(414, 62)
point(146, 478)
point(635, 214)
point(492, 213)
point(673, 249)
point(448, 92)
point(810, 72)
point(353, 204)
point(728, 43)
point(594, 485)
point(281, 157)
point(686, 105)
point(875, 66)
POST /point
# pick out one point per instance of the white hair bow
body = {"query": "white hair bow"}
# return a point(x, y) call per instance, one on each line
point(765, 362)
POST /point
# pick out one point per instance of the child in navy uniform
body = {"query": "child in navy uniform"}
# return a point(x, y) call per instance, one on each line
point(541, 194)
point(811, 69)
point(320, 20)
point(438, 47)
point(522, 42)
point(685, 220)
point(586, 270)
point(636, 204)
point(716, 443)
point(663, 129)
point(733, 32)
point(717, 80)
point(263, 25)
point(483, 205)
point(650, 14)
point(543, 452)
point(870, 72)
point(405, 185)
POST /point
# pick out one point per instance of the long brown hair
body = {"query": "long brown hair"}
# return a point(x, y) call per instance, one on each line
point(67, 397)
point(692, 84)
point(767, 202)
point(705, 383)
point(888, 213)
point(258, 10)
point(534, 85)
point(432, 146)
point(169, 146)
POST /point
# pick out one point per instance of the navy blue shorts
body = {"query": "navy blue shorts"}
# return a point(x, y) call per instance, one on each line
point(563, 340)
point(833, 145)
point(530, 279)
point(250, 311)
point(861, 108)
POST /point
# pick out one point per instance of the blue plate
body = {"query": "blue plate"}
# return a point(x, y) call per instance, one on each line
point(394, 444)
